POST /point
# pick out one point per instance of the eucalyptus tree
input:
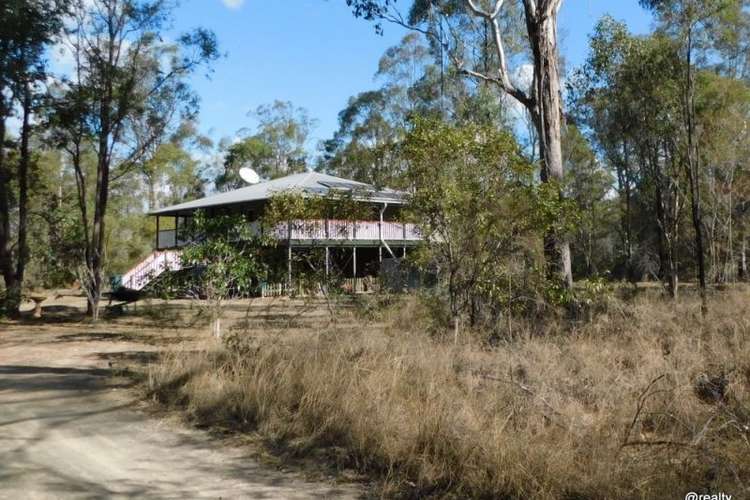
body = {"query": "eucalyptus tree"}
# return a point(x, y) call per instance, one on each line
point(588, 183)
point(693, 26)
point(27, 29)
point(276, 147)
point(170, 172)
point(285, 128)
point(364, 147)
point(627, 95)
point(543, 100)
point(127, 89)
point(723, 110)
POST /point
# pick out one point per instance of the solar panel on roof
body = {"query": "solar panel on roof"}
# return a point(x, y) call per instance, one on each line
point(341, 185)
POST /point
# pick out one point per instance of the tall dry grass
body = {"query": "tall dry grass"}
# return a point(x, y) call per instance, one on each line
point(647, 400)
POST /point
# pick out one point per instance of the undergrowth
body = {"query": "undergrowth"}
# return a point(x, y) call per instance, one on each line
point(645, 400)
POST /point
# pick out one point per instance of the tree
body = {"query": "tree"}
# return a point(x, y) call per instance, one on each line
point(475, 201)
point(364, 146)
point(723, 112)
point(170, 171)
point(627, 94)
point(27, 27)
point(278, 146)
point(227, 254)
point(543, 102)
point(285, 128)
point(251, 152)
point(126, 90)
point(414, 83)
point(587, 184)
point(690, 23)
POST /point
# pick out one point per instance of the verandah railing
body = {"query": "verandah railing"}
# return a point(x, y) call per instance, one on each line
point(323, 230)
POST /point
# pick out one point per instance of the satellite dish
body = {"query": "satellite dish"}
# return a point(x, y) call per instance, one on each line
point(249, 175)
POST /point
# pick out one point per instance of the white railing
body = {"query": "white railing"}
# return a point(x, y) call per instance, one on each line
point(349, 285)
point(342, 230)
point(325, 230)
point(273, 290)
point(152, 266)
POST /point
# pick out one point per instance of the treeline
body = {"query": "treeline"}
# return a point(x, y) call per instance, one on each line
point(631, 167)
point(656, 135)
point(88, 134)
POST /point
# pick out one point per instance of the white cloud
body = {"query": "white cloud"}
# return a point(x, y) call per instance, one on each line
point(233, 4)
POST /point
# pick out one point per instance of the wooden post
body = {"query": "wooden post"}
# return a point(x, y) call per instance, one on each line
point(289, 267)
point(289, 257)
point(380, 224)
point(157, 233)
point(380, 254)
point(327, 262)
point(354, 262)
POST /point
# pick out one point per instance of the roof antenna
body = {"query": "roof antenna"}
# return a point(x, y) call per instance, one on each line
point(249, 175)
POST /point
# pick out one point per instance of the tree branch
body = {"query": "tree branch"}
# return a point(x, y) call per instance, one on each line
point(503, 78)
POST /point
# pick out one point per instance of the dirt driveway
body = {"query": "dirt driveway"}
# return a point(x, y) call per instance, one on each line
point(71, 428)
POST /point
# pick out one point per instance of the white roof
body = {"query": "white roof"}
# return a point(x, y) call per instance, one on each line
point(307, 183)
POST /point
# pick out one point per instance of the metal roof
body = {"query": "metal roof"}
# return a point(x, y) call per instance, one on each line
point(307, 183)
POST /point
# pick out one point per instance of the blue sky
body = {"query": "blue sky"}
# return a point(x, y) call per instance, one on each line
point(316, 54)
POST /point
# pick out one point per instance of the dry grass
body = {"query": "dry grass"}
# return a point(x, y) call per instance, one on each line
point(631, 405)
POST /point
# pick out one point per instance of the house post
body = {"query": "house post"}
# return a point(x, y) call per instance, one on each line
point(354, 269)
point(157, 233)
point(289, 258)
point(327, 262)
point(289, 267)
point(380, 235)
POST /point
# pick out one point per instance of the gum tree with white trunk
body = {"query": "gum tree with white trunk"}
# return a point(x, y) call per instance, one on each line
point(543, 100)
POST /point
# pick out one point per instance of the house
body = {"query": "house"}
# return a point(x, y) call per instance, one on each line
point(356, 248)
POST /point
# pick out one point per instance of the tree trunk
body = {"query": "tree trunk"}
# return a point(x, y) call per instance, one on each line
point(543, 105)
point(11, 302)
point(98, 231)
point(693, 172)
point(673, 283)
point(661, 224)
point(101, 198)
point(23, 203)
point(627, 223)
point(549, 120)
point(743, 258)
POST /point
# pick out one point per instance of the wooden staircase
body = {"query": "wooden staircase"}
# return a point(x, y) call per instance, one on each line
point(151, 268)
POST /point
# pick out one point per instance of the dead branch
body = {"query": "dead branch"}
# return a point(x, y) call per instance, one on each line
point(639, 408)
point(524, 388)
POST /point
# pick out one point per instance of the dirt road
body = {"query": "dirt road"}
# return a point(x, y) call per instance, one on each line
point(70, 428)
